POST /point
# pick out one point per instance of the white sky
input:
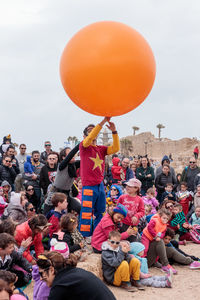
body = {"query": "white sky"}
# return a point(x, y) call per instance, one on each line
point(34, 106)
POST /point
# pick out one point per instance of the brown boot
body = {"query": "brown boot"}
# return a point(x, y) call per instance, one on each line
point(137, 285)
point(127, 287)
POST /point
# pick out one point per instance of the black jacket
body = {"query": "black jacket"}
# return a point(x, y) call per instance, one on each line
point(78, 284)
point(16, 259)
point(7, 174)
point(69, 240)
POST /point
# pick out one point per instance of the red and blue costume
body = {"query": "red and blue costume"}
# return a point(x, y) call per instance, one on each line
point(92, 175)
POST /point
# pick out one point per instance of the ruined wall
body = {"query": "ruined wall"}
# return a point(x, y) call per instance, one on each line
point(146, 143)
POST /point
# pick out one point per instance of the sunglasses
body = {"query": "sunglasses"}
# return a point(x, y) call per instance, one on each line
point(192, 162)
point(32, 209)
point(42, 273)
point(113, 189)
point(7, 160)
point(47, 145)
point(23, 148)
point(114, 242)
point(30, 189)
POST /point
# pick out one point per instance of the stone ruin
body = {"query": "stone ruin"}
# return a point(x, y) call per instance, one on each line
point(146, 143)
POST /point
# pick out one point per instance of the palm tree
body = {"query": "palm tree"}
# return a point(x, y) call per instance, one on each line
point(69, 139)
point(160, 126)
point(135, 128)
point(74, 140)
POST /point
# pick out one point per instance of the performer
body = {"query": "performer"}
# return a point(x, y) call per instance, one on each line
point(92, 174)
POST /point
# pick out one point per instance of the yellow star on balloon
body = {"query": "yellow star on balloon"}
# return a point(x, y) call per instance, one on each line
point(97, 162)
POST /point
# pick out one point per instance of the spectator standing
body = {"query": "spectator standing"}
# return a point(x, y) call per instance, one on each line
point(145, 174)
point(44, 154)
point(196, 152)
point(189, 173)
point(47, 170)
point(165, 161)
point(128, 172)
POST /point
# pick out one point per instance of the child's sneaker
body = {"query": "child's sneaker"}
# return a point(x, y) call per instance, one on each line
point(195, 265)
point(168, 268)
point(169, 279)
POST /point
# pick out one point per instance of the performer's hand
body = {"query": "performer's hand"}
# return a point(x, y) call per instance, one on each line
point(111, 126)
point(106, 119)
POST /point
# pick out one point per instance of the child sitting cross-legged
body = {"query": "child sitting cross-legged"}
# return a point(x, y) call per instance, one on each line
point(179, 223)
point(175, 255)
point(119, 268)
point(137, 249)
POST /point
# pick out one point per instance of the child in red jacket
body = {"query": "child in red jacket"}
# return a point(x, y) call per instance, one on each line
point(59, 201)
point(116, 170)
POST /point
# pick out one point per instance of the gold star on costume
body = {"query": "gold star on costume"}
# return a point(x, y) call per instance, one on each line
point(97, 162)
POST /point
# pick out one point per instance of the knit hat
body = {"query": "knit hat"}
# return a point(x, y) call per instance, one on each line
point(121, 209)
point(7, 138)
point(134, 182)
point(136, 248)
point(60, 247)
point(15, 198)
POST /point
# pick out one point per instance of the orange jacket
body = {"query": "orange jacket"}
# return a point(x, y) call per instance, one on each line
point(154, 227)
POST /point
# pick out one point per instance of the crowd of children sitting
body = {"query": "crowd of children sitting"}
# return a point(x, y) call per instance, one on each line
point(131, 227)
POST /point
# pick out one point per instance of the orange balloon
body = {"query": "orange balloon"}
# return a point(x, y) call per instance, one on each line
point(107, 68)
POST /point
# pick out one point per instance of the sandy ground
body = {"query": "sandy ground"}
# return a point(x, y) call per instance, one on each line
point(186, 284)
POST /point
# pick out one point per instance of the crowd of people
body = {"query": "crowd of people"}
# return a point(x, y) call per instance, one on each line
point(58, 208)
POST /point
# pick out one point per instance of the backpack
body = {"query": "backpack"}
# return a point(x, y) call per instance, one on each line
point(195, 234)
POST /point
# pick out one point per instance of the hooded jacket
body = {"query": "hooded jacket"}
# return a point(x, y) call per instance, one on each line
point(41, 290)
point(111, 259)
point(78, 284)
point(136, 248)
point(116, 169)
point(7, 196)
point(102, 231)
point(14, 210)
point(28, 167)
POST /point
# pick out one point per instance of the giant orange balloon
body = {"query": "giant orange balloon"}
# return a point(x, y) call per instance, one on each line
point(107, 68)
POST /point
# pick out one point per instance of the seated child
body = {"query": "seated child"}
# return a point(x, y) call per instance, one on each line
point(179, 220)
point(10, 279)
point(9, 258)
point(119, 268)
point(68, 225)
point(6, 190)
point(176, 255)
point(137, 249)
point(150, 199)
point(148, 214)
point(197, 197)
point(59, 201)
point(195, 218)
point(168, 194)
point(116, 170)
point(155, 230)
point(41, 290)
point(184, 197)
point(3, 203)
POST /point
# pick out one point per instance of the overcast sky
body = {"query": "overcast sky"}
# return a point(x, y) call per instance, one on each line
point(34, 106)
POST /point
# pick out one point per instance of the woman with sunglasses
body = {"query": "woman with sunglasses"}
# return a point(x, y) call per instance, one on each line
point(31, 195)
point(30, 210)
point(67, 281)
point(110, 222)
point(7, 172)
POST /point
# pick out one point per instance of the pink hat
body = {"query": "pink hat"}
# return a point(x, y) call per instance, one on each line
point(134, 182)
